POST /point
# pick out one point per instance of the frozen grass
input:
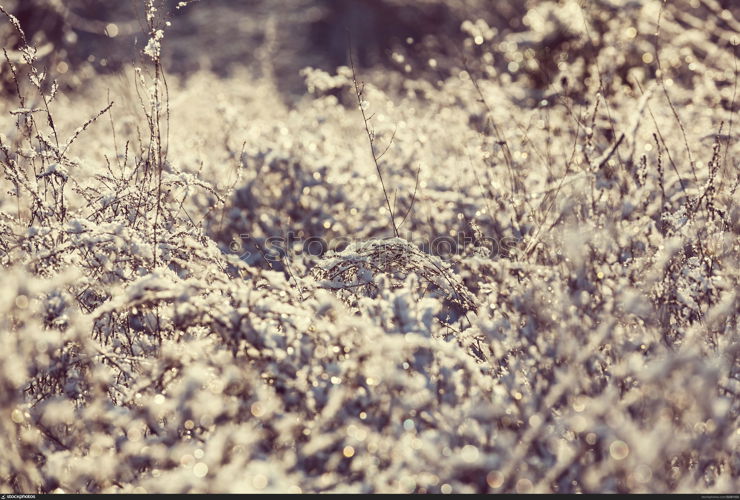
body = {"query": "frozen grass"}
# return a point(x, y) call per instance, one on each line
point(163, 330)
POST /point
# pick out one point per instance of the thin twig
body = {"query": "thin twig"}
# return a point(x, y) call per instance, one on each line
point(668, 97)
point(371, 138)
point(413, 197)
point(732, 116)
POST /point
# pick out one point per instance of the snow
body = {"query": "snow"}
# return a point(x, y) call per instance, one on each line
point(166, 328)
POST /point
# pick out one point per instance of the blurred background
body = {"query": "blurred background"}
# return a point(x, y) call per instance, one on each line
point(427, 39)
point(263, 35)
point(548, 47)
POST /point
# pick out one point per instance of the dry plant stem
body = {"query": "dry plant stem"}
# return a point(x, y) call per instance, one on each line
point(663, 142)
point(413, 197)
point(536, 239)
point(732, 116)
point(515, 182)
point(84, 127)
point(609, 153)
point(158, 164)
point(29, 56)
point(667, 96)
point(7, 155)
point(371, 139)
point(601, 82)
point(497, 130)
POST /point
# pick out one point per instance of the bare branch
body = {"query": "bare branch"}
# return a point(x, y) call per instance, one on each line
point(371, 137)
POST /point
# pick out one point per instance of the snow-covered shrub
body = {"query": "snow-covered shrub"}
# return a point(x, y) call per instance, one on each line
point(354, 272)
